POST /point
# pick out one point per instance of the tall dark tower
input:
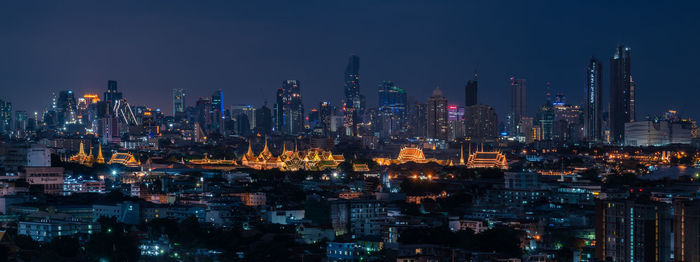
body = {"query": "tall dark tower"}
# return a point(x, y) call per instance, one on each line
point(518, 102)
point(594, 100)
point(352, 101)
point(289, 110)
point(470, 92)
point(621, 94)
point(112, 95)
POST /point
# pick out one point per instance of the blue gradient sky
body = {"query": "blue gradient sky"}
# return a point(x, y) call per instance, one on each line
point(247, 48)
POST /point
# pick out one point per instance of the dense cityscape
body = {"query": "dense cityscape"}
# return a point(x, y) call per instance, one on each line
point(94, 177)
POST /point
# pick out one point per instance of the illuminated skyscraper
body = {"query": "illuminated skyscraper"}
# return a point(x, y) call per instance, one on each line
point(480, 123)
point(437, 115)
point(112, 95)
point(5, 116)
point(289, 110)
point(352, 103)
point(392, 109)
point(66, 110)
point(470, 92)
point(178, 101)
point(594, 101)
point(417, 117)
point(325, 112)
point(217, 112)
point(518, 102)
point(21, 120)
point(635, 229)
point(621, 93)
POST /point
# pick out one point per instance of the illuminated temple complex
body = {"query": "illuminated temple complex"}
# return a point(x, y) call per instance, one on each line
point(483, 159)
point(410, 154)
point(87, 159)
point(312, 159)
point(125, 159)
point(207, 161)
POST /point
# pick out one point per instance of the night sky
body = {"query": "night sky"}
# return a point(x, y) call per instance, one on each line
point(247, 48)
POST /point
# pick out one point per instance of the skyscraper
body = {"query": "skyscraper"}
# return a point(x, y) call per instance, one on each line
point(545, 120)
point(417, 117)
point(593, 110)
point(21, 120)
point(352, 101)
point(289, 110)
point(518, 102)
point(437, 115)
point(325, 112)
point(621, 94)
point(480, 123)
point(66, 108)
point(686, 228)
point(635, 229)
point(470, 92)
point(216, 114)
point(112, 95)
point(178, 101)
point(392, 109)
point(5, 116)
point(455, 121)
point(263, 120)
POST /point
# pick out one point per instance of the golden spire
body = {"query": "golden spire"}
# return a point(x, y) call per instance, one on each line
point(461, 155)
point(265, 149)
point(100, 158)
point(90, 155)
point(82, 151)
point(250, 149)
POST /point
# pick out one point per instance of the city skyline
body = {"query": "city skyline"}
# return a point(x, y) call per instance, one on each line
point(495, 59)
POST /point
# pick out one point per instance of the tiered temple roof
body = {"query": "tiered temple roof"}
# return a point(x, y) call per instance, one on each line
point(410, 154)
point(483, 159)
point(310, 159)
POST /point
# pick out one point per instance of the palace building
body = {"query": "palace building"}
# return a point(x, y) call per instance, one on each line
point(483, 159)
point(126, 159)
point(410, 154)
point(313, 159)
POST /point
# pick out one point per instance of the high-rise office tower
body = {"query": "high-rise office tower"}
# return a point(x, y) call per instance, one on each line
point(417, 125)
point(635, 229)
point(545, 120)
point(248, 111)
point(437, 115)
point(325, 112)
point(470, 92)
point(518, 102)
point(216, 114)
point(621, 94)
point(480, 123)
point(686, 229)
point(178, 101)
point(66, 108)
point(112, 95)
point(203, 109)
point(352, 103)
point(21, 120)
point(263, 120)
point(5, 116)
point(289, 109)
point(593, 109)
point(455, 116)
point(392, 109)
